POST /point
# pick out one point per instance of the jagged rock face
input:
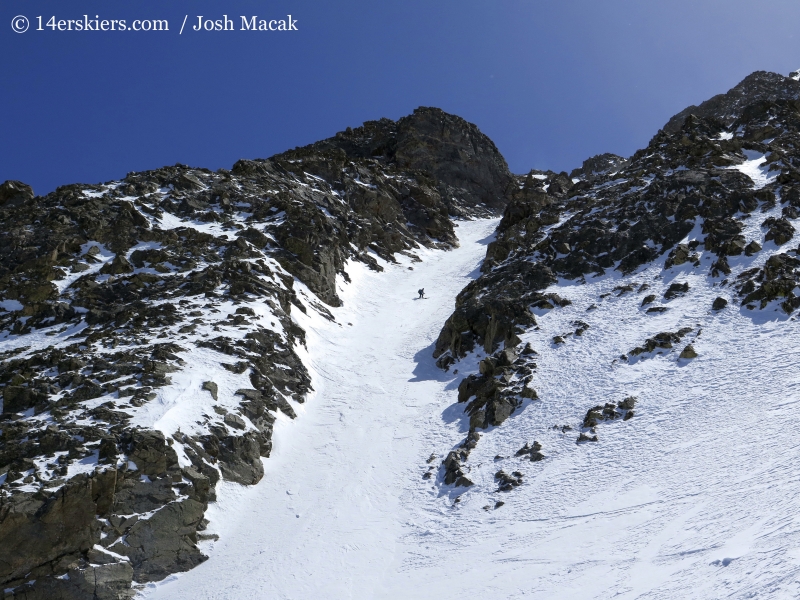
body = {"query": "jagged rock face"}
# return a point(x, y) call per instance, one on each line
point(15, 193)
point(597, 165)
point(473, 177)
point(756, 88)
point(457, 154)
point(120, 301)
point(499, 390)
point(689, 193)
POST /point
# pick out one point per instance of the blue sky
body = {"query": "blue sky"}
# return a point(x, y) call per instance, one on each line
point(551, 83)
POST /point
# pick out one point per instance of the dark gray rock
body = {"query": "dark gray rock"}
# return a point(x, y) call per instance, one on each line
point(211, 387)
point(150, 452)
point(111, 581)
point(165, 543)
point(533, 452)
point(600, 164)
point(38, 530)
point(506, 482)
point(752, 248)
point(15, 193)
point(678, 256)
point(675, 290)
point(454, 475)
point(776, 280)
point(779, 230)
point(235, 421)
point(118, 266)
point(664, 340)
point(240, 458)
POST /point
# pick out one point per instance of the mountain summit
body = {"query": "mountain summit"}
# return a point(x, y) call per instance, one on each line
point(756, 88)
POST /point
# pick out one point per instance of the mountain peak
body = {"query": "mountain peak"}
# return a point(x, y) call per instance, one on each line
point(759, 86)
point(470, 169)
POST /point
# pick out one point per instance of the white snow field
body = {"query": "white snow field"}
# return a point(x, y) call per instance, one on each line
point(697, 496)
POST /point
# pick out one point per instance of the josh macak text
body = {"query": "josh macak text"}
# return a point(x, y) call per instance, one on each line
point(253, 23)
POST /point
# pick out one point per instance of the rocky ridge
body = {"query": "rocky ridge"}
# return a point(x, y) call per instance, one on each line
point(171, 292)
point(715, 193)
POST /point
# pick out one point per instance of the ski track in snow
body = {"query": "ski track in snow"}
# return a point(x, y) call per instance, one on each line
point(696, 497)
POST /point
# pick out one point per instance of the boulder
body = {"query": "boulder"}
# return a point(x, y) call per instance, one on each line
point(506, 482)
point(752, 248)
point(676, 289)
point(212, 388)
point(498, 410)
point(454, 475)
point(780, 230)
point(235, 421)
point(165, 543)
point(719, 303)
point(679, 255)
point(149, 451)
point(95, 581)
point(240, 458)
point(118, 266)
point(14, 193)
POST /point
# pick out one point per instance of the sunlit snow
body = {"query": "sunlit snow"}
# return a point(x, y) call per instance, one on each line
point(695, 497)
point(754, 167)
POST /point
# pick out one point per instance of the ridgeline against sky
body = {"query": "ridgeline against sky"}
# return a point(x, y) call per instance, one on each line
point(550, 85)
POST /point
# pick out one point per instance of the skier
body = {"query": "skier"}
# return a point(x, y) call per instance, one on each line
point(421, 293)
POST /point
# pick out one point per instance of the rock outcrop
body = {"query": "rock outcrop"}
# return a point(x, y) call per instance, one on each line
point(471, 175)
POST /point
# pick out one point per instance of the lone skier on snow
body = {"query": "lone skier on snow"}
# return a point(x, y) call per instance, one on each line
point(421, 293)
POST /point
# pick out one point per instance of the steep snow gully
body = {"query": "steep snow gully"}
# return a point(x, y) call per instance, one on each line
point(330, 518)
point(698, 496)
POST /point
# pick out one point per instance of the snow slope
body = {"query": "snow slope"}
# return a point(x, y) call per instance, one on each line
point(697, 496)
point(327, 519)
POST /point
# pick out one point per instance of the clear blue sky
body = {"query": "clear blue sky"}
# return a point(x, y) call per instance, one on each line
point(550, 82)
